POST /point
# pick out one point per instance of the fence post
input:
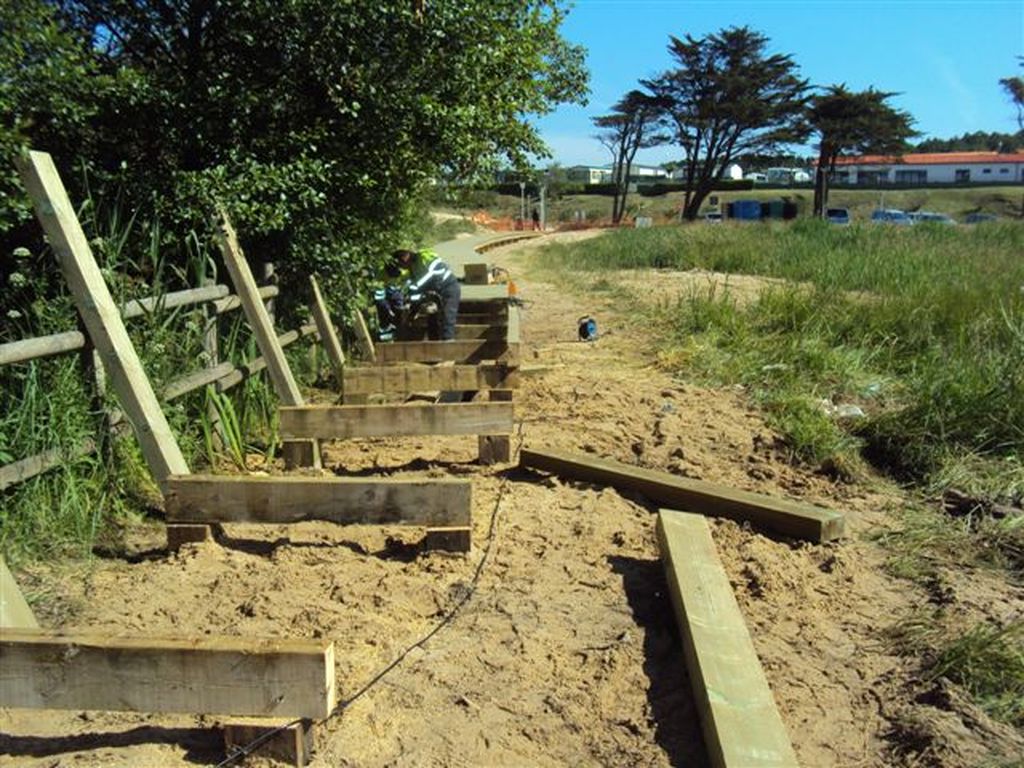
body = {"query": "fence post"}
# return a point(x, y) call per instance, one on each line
point(101, 316)
point(298, 453)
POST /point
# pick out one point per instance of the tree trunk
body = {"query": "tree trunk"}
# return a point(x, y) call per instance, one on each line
point(821, 184)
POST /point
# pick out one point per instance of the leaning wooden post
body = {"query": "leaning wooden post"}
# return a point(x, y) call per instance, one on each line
point(304, 453)
point(101, 316)
point(327, 332)
point(363, 334)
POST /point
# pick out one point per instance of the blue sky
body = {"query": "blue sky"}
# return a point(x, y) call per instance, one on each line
point(943, 57)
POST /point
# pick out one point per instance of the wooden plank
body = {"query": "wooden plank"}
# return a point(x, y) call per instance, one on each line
point(801, 521)
point(14, 609)
point(231, 303)
point(340, 422)
point(342, 500)
point(101, 315)
point(742, 727)
point(245, 286)
point(200, 675)
point(363, 334)
point(41, 346)
point(140, 307)
point(472, 351)
point(327, 333)
point(403, 379)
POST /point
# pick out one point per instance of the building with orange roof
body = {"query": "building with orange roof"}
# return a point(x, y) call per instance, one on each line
point(931, 168)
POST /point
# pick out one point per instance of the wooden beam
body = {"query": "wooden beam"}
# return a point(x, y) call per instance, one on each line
point(101, 316)
point(197, 380)
point(140, 307)
point(245, 286)
point(339, 422)
point(327, 333)
point(363, 334)
point(513, 324)
point(484, 292)
point(441, 351)
point(496, 448)
point(742, 727)
point(20, 471)
point(463, 332)
point(14, 609)
point(200, 675)
point(226, 499)
point(801, 521)
point(399, 379)
point(40, 346)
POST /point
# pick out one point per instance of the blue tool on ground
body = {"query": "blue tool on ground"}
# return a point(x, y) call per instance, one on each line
point(587, 328)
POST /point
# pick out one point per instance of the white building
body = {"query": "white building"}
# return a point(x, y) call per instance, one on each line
point(588, 174)
point(937, 168)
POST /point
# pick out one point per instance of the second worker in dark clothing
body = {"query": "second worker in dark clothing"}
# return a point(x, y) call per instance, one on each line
point(429, 274)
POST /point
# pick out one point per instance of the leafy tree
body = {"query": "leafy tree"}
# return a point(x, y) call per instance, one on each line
point(317, 123)
point(629, 128)
point(978, 141)
point(48, 89)
point(1014, 87)
point(859, 122)
point(726, 98)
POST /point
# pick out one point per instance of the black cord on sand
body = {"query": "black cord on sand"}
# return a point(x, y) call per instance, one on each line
point(248, 749)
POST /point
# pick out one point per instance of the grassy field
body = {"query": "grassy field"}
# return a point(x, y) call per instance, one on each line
point(921, 328)
point(1005, 202)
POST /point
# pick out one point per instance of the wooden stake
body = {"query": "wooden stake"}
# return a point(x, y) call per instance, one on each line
point(363, 334)
point(263, 328)
point(101, 316)
point(327, 333)
point(14, 609)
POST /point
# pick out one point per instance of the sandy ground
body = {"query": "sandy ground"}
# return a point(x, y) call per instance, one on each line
point(566, 651)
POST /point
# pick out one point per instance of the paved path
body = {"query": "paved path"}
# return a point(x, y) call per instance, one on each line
point(461, 251)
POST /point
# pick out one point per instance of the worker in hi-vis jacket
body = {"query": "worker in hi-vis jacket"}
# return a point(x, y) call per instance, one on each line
point(428, 279)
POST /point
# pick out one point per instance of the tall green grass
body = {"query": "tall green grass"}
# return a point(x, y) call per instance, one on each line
point(50, 404)
point(923, 328)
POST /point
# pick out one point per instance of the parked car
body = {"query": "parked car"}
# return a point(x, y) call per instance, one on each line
point(980, 218)
point(891, 216)
point(838, 215)
point(928, 217)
